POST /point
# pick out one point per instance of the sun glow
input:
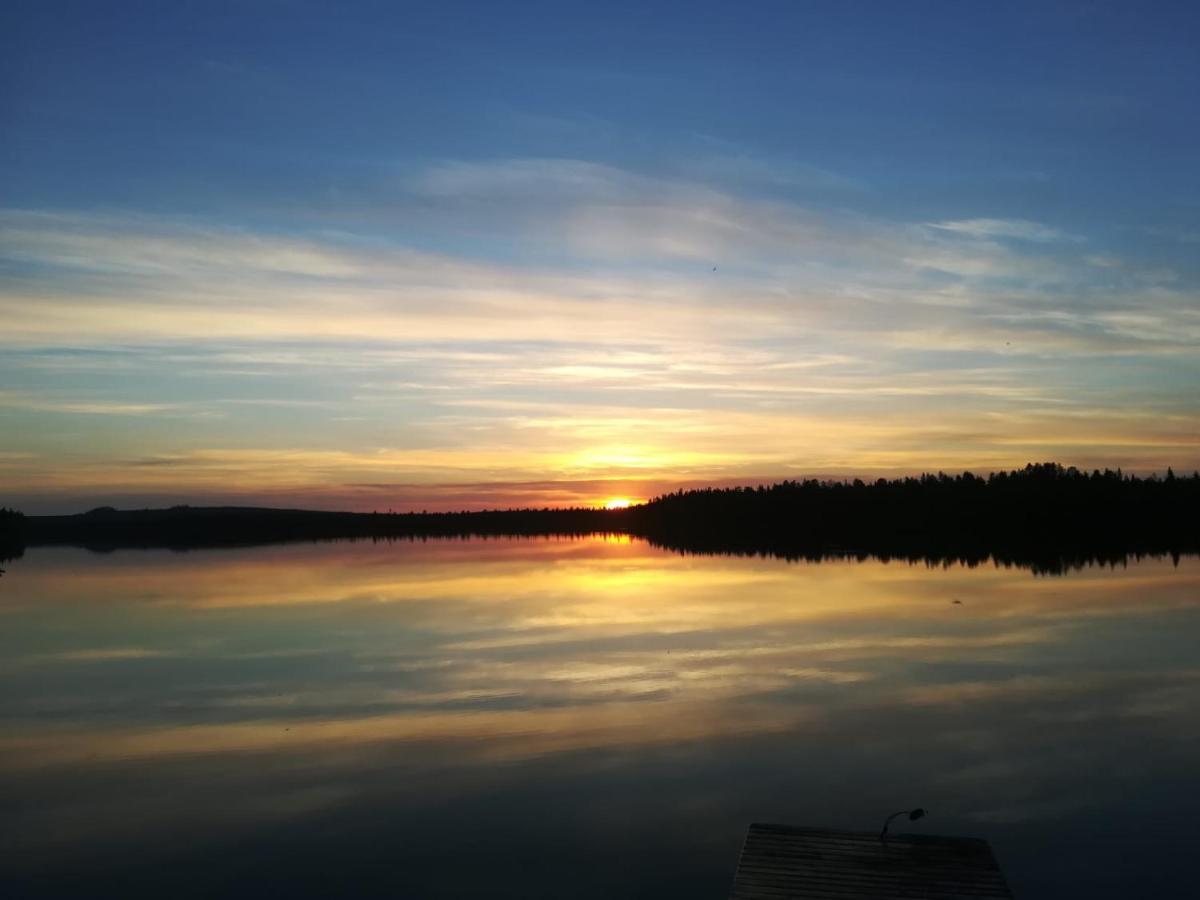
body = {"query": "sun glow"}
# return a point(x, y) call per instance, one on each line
point(618, 503)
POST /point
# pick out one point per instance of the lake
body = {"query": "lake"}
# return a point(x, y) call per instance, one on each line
point(588, 717)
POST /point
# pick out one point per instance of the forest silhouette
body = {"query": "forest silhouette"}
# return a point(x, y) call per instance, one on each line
point(1044, 517)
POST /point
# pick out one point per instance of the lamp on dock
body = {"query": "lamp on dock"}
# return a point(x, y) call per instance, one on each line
point(913, 815)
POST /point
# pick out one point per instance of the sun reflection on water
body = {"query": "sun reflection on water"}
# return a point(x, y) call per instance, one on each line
point(370, 667)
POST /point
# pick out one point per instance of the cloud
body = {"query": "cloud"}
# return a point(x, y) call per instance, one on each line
point(40, 403)
point(572, 320)
point(625, 254)
point(1019, 229)
point(149, 246)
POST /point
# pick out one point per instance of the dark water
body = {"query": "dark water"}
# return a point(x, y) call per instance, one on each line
point(587, 718)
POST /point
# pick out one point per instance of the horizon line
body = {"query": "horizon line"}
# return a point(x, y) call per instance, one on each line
point(605, 504)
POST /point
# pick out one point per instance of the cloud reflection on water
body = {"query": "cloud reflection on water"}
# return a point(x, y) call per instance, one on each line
point(165, 700)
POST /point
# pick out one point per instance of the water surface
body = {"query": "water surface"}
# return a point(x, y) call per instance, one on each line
point(579, 718)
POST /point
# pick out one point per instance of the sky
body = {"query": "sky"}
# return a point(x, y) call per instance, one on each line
point(447, 255)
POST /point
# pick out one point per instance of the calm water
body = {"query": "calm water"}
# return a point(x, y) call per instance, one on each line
point(578, 718)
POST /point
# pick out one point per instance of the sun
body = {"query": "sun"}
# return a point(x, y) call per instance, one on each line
point(618, 503)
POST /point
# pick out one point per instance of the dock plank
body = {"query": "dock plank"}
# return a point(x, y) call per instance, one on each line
point(784, 862)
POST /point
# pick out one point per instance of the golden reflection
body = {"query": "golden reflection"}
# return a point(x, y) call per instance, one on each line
point(485, 736)
point(216, 690)
point(515, 648)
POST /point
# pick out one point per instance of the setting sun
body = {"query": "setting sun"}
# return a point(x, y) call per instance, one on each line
point(618, 503)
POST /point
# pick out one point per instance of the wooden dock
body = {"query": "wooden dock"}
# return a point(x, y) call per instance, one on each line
point(780, 862)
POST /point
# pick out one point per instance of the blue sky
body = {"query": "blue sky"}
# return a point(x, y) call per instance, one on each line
point(457, 254)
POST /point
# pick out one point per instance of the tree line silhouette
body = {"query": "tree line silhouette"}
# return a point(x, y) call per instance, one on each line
point(12, 534)
point(1044, 516)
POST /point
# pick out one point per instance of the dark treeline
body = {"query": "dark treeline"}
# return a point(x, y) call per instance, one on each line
point(186, 527)
point(1044, 517)
point(12, 534)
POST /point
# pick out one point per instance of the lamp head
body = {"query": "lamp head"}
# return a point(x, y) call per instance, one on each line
point(913, 815)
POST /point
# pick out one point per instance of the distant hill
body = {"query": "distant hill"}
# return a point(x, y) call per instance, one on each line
point(1044, 516)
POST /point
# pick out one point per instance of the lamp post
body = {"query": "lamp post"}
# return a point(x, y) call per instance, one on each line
point(913, 815)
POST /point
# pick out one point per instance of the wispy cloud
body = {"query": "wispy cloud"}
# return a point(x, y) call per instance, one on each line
point(581, 321)
point(31, 401)
point(1019, 229)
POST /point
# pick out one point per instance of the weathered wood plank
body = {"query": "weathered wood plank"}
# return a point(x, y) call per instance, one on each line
point(782, 862)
